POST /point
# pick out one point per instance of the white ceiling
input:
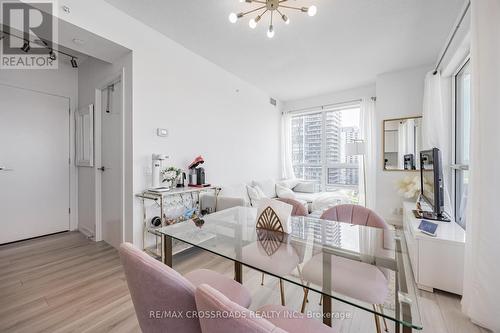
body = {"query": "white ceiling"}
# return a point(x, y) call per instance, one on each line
point(345, 45)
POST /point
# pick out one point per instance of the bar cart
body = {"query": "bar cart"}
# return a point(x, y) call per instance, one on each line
point(187, 201)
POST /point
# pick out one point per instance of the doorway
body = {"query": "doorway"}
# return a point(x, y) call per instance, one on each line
point(109, 184)
point(34, 164)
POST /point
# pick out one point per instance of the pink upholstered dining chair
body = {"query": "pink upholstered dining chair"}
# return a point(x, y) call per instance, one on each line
point(354, 214)
point(298, 210)
point(377, 285)
point(298, 207)
point(156, 287)
point(272, 319)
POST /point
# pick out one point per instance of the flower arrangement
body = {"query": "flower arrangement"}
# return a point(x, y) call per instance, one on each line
point(170, 175)
point(409, 187)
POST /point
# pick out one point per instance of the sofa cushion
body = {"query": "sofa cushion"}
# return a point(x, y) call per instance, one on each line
point(268, 186)
point(235, 191)
point(284, 192)
point(305, 187)
point(288, 183)
point(309, 197)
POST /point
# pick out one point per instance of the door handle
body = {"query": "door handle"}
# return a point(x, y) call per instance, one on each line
point(102, 169)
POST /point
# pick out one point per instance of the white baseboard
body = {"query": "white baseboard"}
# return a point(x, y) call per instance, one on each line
point(90, 234)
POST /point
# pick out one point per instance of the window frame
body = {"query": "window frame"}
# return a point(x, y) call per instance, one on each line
point(454, 166)
point(324, 165)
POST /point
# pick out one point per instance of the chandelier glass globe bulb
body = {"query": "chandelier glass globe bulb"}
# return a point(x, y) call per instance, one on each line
point(312, 11)
point(233, 18)
point(252, 24)
point(270, 32)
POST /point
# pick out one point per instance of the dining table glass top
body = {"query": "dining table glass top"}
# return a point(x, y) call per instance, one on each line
point(358, 265)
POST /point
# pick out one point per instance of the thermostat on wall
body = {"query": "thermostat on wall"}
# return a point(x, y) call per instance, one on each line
point(163, 132)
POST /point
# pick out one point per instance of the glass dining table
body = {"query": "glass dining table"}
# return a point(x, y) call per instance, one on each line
point(367, 268)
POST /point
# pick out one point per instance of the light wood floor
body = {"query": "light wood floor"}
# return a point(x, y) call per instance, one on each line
point(66, 283)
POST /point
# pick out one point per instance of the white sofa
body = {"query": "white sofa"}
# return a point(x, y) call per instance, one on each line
point(304, 191)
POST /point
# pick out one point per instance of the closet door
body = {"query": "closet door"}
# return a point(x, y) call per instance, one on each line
point(34, 164)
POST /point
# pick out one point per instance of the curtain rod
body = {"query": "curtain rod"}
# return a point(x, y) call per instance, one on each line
point(327, 106)
point(452, 37)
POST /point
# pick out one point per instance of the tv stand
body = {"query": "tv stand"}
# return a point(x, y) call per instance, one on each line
point(437, 262)
point(431, 216)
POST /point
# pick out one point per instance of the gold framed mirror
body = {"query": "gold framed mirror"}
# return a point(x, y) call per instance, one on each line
point(402, 143)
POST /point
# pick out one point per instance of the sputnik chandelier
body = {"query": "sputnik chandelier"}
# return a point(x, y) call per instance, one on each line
point(270, 6)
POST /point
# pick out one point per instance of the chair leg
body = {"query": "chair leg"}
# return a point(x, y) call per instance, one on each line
point(304, 300)
point(321, 300)
point(262, 282)
point(381, 308)
point(282, 291)
point(377, 322)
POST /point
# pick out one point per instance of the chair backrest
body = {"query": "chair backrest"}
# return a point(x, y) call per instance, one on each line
point(157, 291)
point(354, 214)
point(298, 207)
point(237, 320)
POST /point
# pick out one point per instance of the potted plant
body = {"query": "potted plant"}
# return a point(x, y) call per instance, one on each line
point(170, 176)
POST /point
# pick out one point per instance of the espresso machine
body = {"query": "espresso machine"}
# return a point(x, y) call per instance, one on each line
point(197, 173)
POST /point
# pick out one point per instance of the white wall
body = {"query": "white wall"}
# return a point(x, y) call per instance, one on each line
point(92, 75)
point(61, 82)
point(237, 132)
point(331, 98)
point(399, 94)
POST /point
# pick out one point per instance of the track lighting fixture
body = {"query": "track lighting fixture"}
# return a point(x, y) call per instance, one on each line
point(52, 53)
point(270, 6)
point(26, 47)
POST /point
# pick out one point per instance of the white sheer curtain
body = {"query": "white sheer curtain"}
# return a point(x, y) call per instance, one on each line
point(435, 133)
point(367, 129)
point(286, 146)
point(482, 270)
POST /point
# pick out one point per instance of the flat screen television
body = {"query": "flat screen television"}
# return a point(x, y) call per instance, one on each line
point(432, 184)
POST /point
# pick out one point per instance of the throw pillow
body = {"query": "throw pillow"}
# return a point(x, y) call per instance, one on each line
point(267, 186)
point(284, 192)
point(255, 194)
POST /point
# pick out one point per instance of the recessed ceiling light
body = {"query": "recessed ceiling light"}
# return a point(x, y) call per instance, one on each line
point(78, 41)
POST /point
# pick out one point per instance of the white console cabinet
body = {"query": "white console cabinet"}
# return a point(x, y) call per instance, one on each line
point(437, 262)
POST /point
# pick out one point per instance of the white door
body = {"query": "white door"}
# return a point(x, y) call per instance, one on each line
point(111, 165)
point(34, 153)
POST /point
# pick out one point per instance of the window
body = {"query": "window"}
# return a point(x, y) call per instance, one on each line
point(462, 140)
point(318, 148)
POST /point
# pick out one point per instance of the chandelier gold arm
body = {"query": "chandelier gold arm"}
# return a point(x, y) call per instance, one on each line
point(302, 9)
point(250, 11)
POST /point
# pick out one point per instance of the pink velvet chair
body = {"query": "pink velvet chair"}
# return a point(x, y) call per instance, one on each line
point(298, 210)
point(354, 214)
point(355, 279)
point(272, 319)
point(298, 207)
point(157, 289)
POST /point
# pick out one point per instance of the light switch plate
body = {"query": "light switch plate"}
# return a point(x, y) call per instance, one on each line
point(162, 132)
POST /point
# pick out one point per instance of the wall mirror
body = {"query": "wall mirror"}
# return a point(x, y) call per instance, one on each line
point(402, 143)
